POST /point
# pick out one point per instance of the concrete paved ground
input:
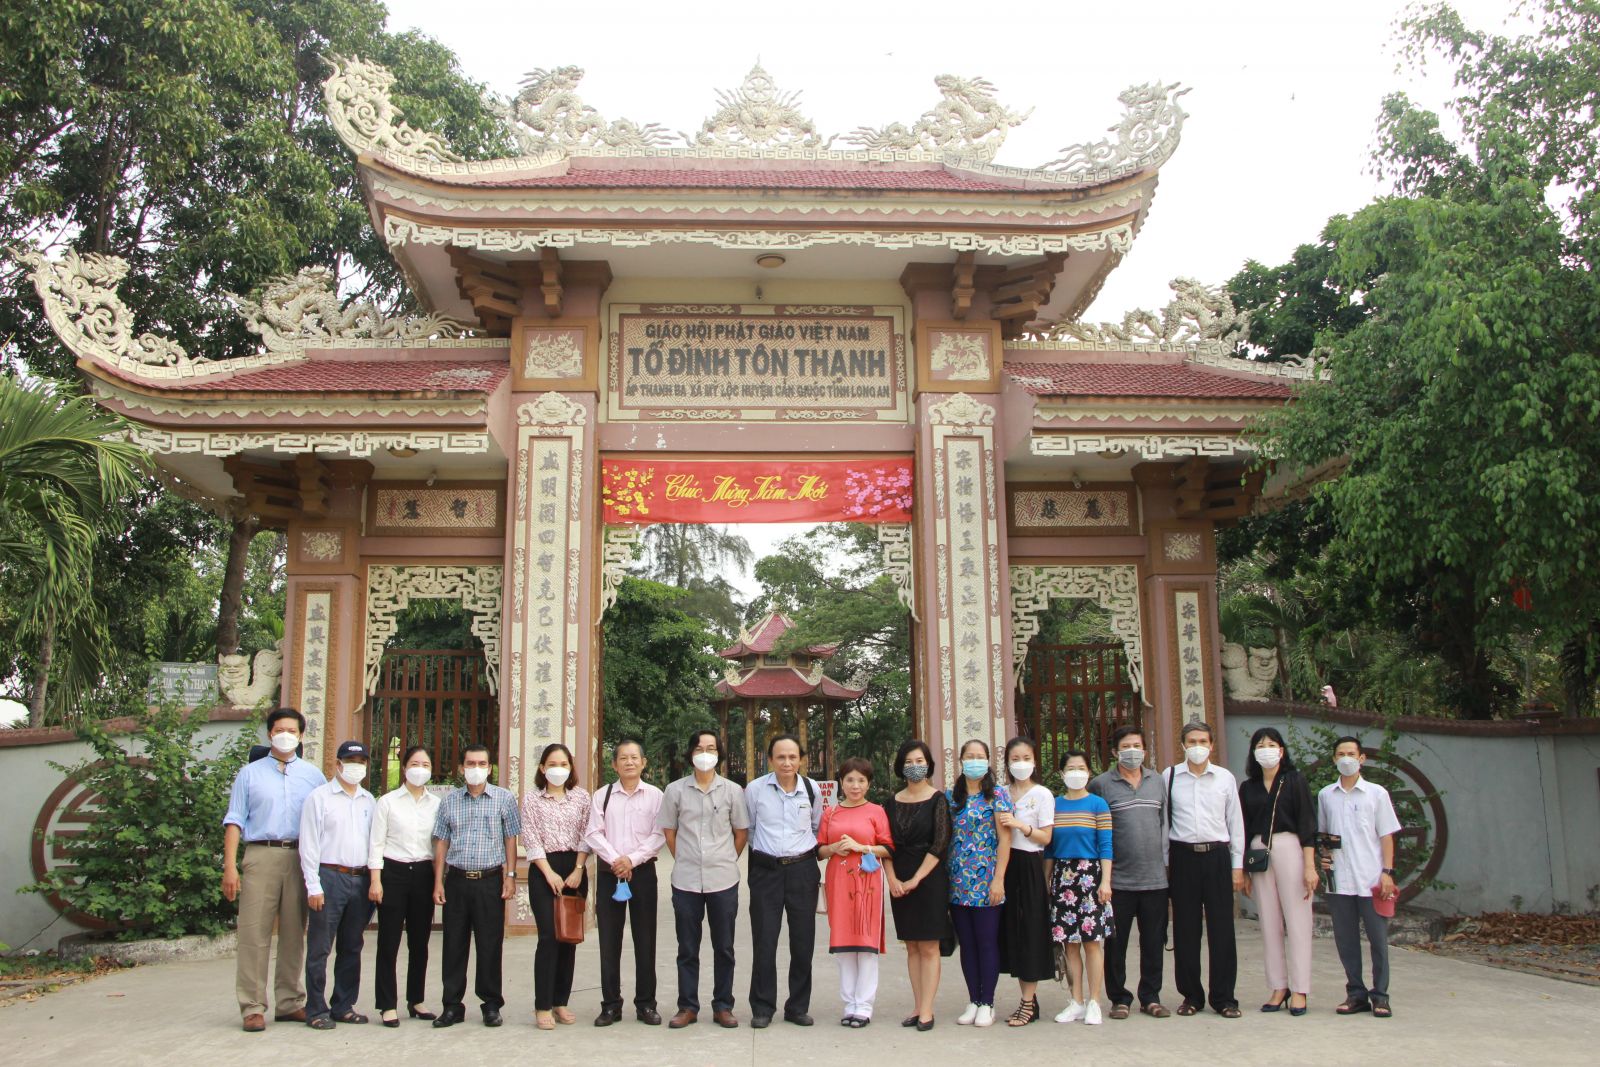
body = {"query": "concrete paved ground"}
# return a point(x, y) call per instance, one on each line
point(1446, 1012)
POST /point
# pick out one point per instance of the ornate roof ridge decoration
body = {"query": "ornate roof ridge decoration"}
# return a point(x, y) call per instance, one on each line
point(969, 123)
point(548, 114)
point(757, 121)
point(1200, 321)
point(291, 311)
point(758, 114)
point(356, 443)
point(79, 293)
point(366, 120)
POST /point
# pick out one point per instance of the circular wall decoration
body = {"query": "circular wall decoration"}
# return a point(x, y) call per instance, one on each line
point(66, 813)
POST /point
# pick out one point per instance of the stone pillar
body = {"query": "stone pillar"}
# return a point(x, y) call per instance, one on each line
point(1183, 660)
point(962, 586)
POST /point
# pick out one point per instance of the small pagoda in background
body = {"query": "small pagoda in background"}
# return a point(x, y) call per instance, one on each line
point(786, 686)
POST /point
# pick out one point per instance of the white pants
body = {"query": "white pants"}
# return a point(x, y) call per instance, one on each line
point(858, 981)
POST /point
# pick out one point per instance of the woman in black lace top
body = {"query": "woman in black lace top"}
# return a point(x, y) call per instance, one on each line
point(919, 820)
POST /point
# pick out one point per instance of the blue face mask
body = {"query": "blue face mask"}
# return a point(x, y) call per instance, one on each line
point(974, 768)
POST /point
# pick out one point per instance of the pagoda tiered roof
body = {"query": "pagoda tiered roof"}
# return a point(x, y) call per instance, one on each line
point(775, 681)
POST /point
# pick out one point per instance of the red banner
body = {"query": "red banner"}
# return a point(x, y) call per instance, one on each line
point(643, 491)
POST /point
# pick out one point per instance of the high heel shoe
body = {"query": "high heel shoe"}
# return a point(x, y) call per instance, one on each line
point(1301, 1010)
point(417, 1013)
point(1277, 1005)
point(390, 1023)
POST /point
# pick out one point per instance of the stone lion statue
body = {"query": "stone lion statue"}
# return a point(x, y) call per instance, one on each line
point(244, 689)
point(1249, 675)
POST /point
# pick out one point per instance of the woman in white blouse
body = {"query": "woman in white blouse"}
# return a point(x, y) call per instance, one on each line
point(1026, 952)
point(401, 861)
point(554, 818)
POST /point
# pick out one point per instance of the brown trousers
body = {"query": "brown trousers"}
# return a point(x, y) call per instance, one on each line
point(271, 890)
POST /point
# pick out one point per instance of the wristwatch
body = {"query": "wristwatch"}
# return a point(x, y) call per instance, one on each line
point(1389, 871)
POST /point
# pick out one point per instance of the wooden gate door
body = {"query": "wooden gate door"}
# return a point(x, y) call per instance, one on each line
point(1075, 696)
point(434, 697)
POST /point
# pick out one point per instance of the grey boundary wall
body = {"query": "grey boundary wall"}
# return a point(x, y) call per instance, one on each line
point(1521, 799)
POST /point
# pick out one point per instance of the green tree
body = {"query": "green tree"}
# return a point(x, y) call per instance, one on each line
point(60, 474)
point(698, 558)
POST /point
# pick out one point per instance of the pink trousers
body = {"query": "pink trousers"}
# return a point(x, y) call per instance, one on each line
point(1280, 893)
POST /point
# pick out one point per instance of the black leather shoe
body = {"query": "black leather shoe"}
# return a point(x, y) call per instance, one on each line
point(760, 1022)
point(649, 1016)
point(799, 1018)
point(606, 1018)
point(449, 1017)
point(491, 1017)
point(924, 1027)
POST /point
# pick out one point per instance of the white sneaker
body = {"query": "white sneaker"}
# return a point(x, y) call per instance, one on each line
point(985, 1016)
point(1071, 1013)
point(966, 1017)
point(1091, 1014)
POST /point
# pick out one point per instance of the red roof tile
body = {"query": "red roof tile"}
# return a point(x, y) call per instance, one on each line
point(362, 376)
point(929, 180)
point(1179, 381)
point(765, 638)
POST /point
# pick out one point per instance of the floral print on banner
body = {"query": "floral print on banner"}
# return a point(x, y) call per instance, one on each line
point(872, 492)
point(1076, 914)
point(974, 848)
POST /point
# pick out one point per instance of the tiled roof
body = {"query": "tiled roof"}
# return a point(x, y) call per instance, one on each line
point(1180, 381)
point(785, 682)
point(765, 638)
point(879, 178)
point(363, 376)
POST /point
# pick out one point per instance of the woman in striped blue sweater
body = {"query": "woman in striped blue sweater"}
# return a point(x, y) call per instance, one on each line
point(1080, 888)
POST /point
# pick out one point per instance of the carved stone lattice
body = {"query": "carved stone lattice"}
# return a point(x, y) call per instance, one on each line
point(969, 121)
point(366, 120)
point(291, 310)
point(390, 589)
point(895, 537)
point(548, 113)
point(758, 113)
point(616, 556)
point(1114, 587)
point(1147, 135)
point(1199, 315)
point(1146, 446)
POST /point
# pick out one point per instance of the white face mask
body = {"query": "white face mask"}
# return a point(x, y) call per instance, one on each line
point(1269, 757)
point(353, 773)
point(418, 776)
point(285, 742)
point(1075, 779)
point(1131, 757)
point(1197, 754)
point(1348, 766)
point(557, 775)
point(704, 761)
point(1021, 770)
point(476, 775)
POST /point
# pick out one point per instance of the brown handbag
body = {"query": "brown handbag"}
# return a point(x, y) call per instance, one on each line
point(570, 919)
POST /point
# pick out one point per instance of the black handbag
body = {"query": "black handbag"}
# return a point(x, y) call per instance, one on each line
point(1257, 860)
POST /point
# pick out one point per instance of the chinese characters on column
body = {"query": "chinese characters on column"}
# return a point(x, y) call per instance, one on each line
point(1191, 657)
point(314, 669)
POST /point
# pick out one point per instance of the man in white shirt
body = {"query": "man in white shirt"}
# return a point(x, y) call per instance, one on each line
point(335, 834)
point(1360, 814)
point(1205, 857)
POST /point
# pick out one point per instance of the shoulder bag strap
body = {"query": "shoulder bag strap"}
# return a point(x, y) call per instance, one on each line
point(1272, 820)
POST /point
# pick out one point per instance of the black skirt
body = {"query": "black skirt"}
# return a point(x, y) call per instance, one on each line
point(1026, 951)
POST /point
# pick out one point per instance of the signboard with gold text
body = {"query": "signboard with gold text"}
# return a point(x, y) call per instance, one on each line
point(641, 491)
point(758, 363)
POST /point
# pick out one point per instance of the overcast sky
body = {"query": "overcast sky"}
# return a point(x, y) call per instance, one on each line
point(1284, 95)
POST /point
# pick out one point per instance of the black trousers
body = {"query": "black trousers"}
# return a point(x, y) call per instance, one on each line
point(1202, 891)
point(640, 914)
point(1149, 908)
point(777, 890)
point(407, 906)
point(474, 917)
point(553, 961)
point(689, 911)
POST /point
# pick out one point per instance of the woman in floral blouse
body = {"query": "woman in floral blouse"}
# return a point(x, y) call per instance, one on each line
point(554, 817)
point(1080, 887)
point(979, 852)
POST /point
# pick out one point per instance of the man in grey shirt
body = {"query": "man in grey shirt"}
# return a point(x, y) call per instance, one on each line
point(1138, 803)
point(706, 823)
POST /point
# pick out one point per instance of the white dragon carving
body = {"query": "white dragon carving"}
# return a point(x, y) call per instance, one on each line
point(1147, 134)
point(548, 112)
point(1197, 314)
point(292, 309)
point(968, 121)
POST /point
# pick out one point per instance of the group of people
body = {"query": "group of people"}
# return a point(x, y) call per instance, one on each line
point(1023, 880)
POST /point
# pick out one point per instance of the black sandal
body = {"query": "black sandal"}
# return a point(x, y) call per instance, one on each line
point(1187, 1009)
point(1381, 1009)
point(350, 1017)
point(1027, 1012)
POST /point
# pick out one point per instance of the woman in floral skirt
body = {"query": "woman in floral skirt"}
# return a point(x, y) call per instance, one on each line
point(1080, 888)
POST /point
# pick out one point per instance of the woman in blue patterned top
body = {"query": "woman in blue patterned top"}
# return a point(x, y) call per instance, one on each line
point(979, 852)
point(1080, 887)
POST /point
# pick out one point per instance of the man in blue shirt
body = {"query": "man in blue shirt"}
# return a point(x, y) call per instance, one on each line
point(264, 814)
point(785, 810)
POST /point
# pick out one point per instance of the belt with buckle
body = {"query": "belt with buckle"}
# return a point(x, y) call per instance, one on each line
point(276, 844)
point(342, 869)
point(783, 861)
point(1202, 846)
point(476, 875)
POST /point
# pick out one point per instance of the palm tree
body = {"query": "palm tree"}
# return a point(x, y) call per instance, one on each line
point(60, 474)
